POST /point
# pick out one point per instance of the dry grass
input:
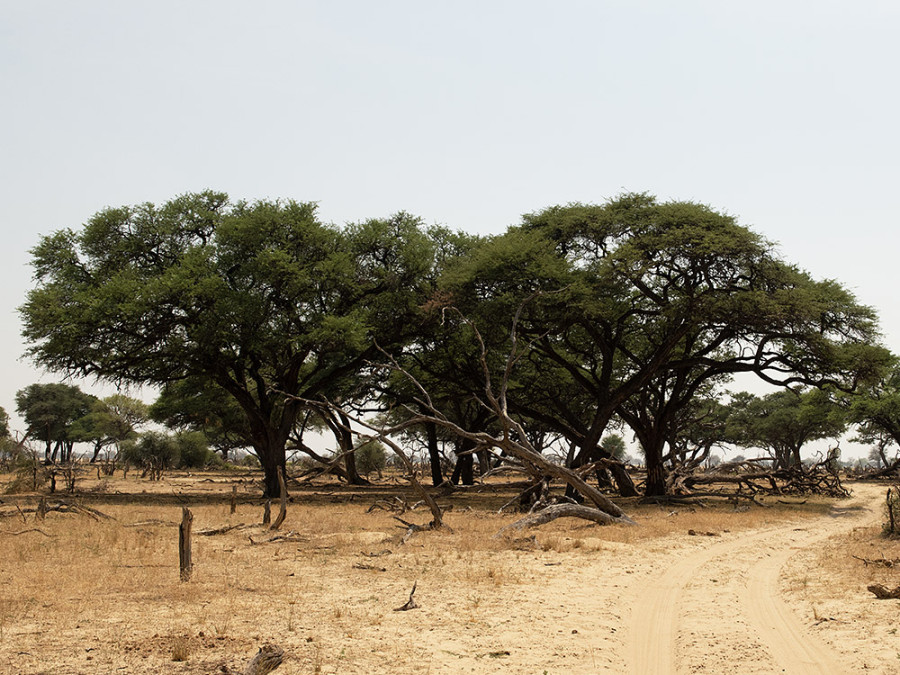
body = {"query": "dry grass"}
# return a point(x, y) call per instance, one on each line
point(100, 596)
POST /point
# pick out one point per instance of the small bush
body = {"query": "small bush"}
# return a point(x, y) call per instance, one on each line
point(153, 452)
point(370, 457)
point(193, 450)
point(31, 474)
point(250, 461)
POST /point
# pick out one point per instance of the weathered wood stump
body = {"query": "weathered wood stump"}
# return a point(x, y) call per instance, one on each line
point(184, 544)
point(267, 659)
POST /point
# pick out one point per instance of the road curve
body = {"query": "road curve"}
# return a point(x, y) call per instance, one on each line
point(750, 565)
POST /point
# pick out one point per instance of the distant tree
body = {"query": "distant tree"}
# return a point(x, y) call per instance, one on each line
point(371, 456)
point(193, 450)
point(876, 412)
point(614, 444)
point(51, 412)
point(4, 423)
point(197, 404)
point(782, 422)
point(153, 452)
point(616, 298)
point(111, 421)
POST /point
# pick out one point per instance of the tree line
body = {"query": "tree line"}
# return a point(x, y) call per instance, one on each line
point(259, 323)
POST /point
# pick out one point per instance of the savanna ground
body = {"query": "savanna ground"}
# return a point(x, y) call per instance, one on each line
point(753, 590)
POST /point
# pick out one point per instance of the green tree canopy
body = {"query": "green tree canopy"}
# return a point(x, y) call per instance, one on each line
point(51, 412)
point(782, 422)
point(261, 299)
point(635, 293)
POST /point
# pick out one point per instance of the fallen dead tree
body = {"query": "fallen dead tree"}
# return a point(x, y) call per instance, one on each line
point(512, 442)
point(554, 511)
point(750, 481)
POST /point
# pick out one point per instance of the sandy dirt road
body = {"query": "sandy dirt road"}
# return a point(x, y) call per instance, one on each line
point(719, 609)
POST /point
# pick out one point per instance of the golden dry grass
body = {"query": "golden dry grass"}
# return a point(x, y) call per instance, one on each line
point(87, 596)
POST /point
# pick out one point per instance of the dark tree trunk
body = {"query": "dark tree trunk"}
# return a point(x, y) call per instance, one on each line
point(604, 481)
point(345, 442)
point(98, 446)
point(434, 455)
point(484, 462)
point(656, 471)
point(271, 458)
point(624, 484)
point(464, 471)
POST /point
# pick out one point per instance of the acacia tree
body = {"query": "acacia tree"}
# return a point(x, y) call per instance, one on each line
point(782, 422)
point(261, 299)
point(198, 404)
point(634, 292)
point(110, 421)
point(876, 412)
point(51, 412)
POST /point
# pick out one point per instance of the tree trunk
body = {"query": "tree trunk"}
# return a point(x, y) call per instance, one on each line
point(434, 455)
point(271, 459)
point(345, 443)
point(656, 471)
point(624, 484)
point(464, 471)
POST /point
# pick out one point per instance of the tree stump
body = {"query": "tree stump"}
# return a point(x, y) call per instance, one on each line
point(883, 593)
point(267, 659)
point(184, 544)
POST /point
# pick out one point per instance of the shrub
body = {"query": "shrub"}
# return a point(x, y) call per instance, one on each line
point(370, 457)
point(153, 452)
point(193, 450)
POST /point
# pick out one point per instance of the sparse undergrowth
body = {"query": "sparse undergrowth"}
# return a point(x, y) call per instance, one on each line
point(326, 593)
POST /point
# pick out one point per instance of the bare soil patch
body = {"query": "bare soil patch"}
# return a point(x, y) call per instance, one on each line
point(85, 596)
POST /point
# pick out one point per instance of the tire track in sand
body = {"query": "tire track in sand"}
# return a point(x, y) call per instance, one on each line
point(757, 559)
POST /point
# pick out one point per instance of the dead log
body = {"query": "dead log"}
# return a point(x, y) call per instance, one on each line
point(884, 593)
point(286, 537)
point(551, 513)
point(412, 528)
point(267, 659)
point(221, 530)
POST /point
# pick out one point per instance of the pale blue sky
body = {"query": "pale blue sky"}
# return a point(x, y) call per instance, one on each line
point(468, 114)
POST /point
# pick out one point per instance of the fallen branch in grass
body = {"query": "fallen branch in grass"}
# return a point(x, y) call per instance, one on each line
point(551, 513)
point(222, 530)
point(32, 529)
point(68, 507)
point(280, 538)
point(411, 603)
point(878, 562)
point(412, 528)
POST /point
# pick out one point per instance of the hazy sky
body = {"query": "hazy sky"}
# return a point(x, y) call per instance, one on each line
point(784, 114)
